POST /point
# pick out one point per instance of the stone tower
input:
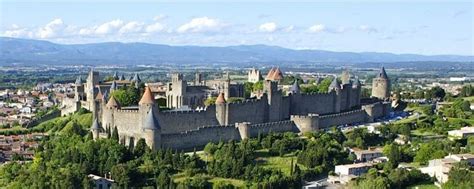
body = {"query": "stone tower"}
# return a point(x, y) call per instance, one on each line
point(381, 85)
point(221, 109)
point(227, 85)
point(91, 92)
point(198, 80)
point(176, 91)
point(152, 130)
point(79, 89)
point(346, 77)
point(274, 98)
point(335, 86)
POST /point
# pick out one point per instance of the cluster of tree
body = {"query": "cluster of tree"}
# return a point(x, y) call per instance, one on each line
point(127, 95)
point(391, 178)
point(458, 109)
point(466, 91)
point(361, 138)
point(231, 160)
point(322, 87)
point(437, 93)
point(250, 87)
point(460, 177)
point(324, 150)
point(70, 155)
point(436, 149)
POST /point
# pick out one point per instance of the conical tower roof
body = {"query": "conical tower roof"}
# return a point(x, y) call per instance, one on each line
point(95, 125)
point(356, 83)
point(105, 96)
point(136, 78)
point(382, 73)
point(113, 103)
point(295, 88)
point(99, 96)
point(270, 74)
point(220, 99)
point(277, 75)
point(122, 77)
point(78, 80)
point(334, 84)
point(147, 97)
point(113, 86)
point(115, 76)
point(150, 122)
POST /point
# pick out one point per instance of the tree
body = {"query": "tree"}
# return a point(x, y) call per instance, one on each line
point(210, 101)
point(121, 175)
point(460, 177)
point(324, 85)
point(437, 92)
point(392, 151)
point(127, 97)
point(140, 148)
point(115, 135)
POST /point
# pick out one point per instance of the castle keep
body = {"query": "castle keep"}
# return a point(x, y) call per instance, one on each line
point(270, 112)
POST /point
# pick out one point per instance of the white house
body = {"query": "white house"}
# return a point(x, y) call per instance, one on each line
point(461, 133)
point(356, 169)
point(101, 182)
point(439, 168)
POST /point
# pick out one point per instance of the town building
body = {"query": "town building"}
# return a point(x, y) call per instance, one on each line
point(367, 155)
point(461, 133)
point(439, 168)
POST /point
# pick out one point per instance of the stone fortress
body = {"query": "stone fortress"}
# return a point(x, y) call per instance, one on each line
point(272, 111)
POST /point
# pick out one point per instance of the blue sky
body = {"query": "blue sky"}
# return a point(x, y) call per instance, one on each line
point(422, 27)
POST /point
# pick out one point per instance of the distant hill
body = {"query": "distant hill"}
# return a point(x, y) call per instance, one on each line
point(27, 51)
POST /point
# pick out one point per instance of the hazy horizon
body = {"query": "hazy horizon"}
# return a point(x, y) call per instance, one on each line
point(427, 28)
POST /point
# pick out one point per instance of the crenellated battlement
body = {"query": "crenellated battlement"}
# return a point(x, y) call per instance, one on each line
point(183, 112)
point(246, 101)
point(341, 114)
point(316, 94)
point(271, 124)
point(126, 111)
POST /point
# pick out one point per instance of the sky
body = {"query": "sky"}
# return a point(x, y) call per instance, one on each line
point(419, 27)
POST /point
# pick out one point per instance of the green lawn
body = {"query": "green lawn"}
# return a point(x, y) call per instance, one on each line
point(470, 99)
point(420, 132)
point(179, 177)
point(276, 162)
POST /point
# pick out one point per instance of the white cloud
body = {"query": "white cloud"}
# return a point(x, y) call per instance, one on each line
point(160, 17)
point(201, 24)
point(18, 32)
point(367, 29)
point(109, 27)
point(156, 27)
point(268, 27)
point(289, 28)
point(317, 28)
point(131, 27)
point(52, 29)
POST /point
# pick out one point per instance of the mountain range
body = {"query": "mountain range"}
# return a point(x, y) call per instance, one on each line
point(31, 52)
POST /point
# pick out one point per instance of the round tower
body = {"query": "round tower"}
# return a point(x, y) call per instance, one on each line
point(152, 130)
point(221, 109)
point(95, 129)
point(381, 85)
